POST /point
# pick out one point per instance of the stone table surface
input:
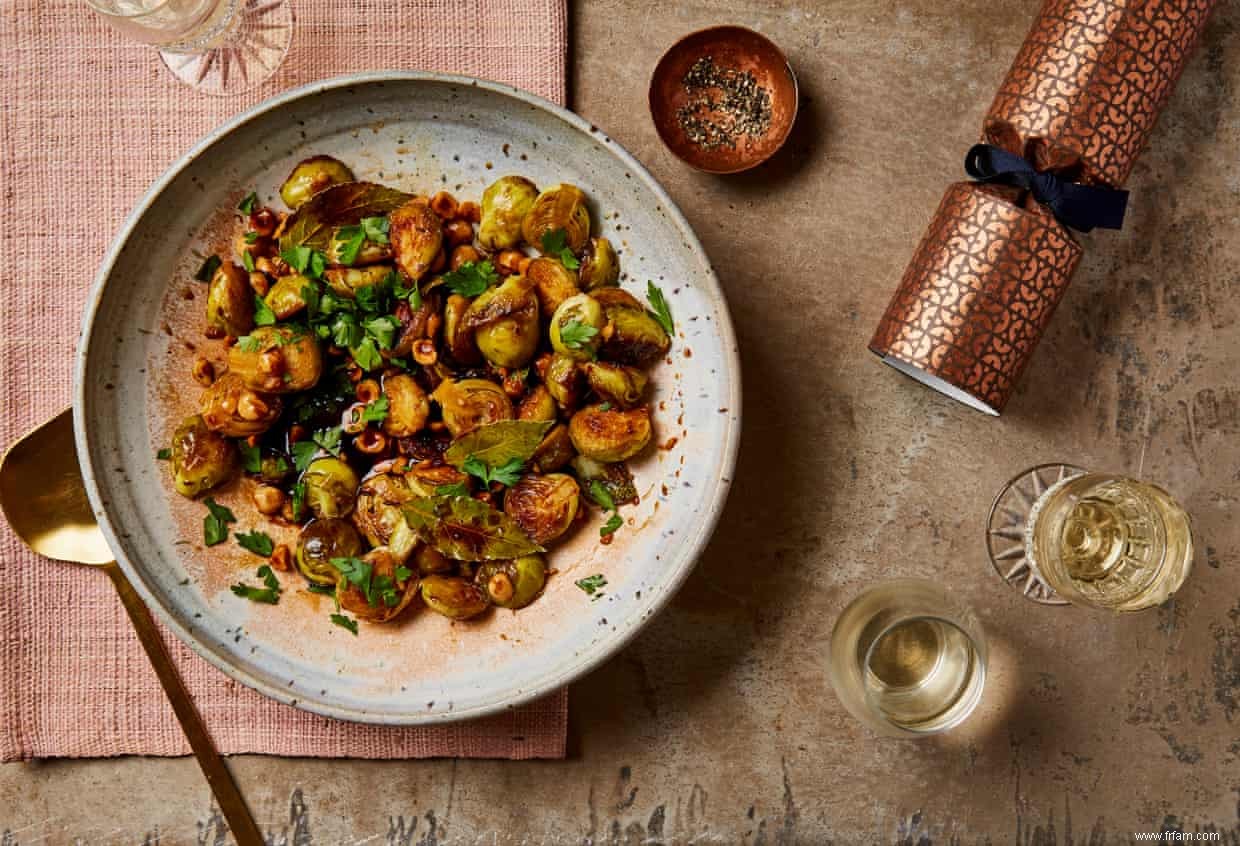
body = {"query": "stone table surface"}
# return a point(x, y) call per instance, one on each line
point(717, 725)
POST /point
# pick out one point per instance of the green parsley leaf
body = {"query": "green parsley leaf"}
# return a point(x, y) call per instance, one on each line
point(455, 489)
point(246, 206)
point(403, 574)
point(375, 412)
point(268, 577)
point(346, 332)
point(662, 311)
point(345, 623)
point(312, 298)
point(376, 229)
point(358, 573)
point(164, 454)
point(305, 260)
point(574, 334)
point(250, 237)
point(299, 499)
point(259, 543)
point(251, 456)
point(350, 240)
point(209, 265)
point(600, 494)
point(248, 344)
point(506, 474)
point(471, 278)
point(366, 354)
point(329, 439)
point(383, 330)
point(263, 315)
point(215, 524)
point(592, 584)
point(373, 299)
point(264, 595)
point(613, 523)
point(555, 243)
point(247, 260)
point(604, 406)
point(327, 590)
point(401, 292)
point(304, 452)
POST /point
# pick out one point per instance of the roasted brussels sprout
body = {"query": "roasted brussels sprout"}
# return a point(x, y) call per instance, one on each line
point(321, 541)
point(538, 404)
point(378, 516)
point(453, 597)
point(416, 235)
point(347, 281)
point(555, 451)
point(310, 177)
point(201, 458)
point(471, 403)
point(459, 341)
point(610, 435)
point(285, 298)
point(504, 321)
point(614, 477)
point(426, 478)
point(408, 406)
point(513, 584)
point(504, 206)
point(577, 327)
point(565, 381)
point(618, 384)
point(553, 282)
point(600, 266)
point(232, 409)
point(543, 506)
point(430, 561)
point(561, 206)
point(331, 487)
point(277, 359)
point(390, 593)
point(230, 302)
point(636, 337)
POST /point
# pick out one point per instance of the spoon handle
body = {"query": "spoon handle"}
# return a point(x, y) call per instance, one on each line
point(232, 805)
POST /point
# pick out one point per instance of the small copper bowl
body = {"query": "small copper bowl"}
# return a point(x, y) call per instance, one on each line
point(729, 48)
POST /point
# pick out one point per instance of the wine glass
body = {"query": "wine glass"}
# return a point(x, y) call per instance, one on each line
point(1064, 535)
point(217, 47)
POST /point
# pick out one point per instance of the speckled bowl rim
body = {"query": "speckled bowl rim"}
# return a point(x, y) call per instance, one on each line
point(626, 629)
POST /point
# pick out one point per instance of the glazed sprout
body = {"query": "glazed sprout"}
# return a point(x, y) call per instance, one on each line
point(453, 597)
point(232, 409)
point(471, 403)
point(201, 459)
point(636, 337)
point(430, 561)
point(577, 327)
point(504, 320)
point(505, 203)
point(389, 594)
point(513, 584)
point(609, 435)
point(543, 506)
point(565, 381)
point(538, 404)
point(230, 302)
point(378, 517)
point(561, 206)
point(408, 406)
point(310, 177)
point(618, 384)
point(553, 282)
point(416, 235)
point(277, 359)
point(347, 281)
point(555, 451)
point(331, 487)
point(600, 266)
point(458, 340)
point(285, 297)
point(321, 541)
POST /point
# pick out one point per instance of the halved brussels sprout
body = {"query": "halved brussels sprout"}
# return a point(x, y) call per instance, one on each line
point(390, 593)
point(577, 327)
point(553, 282)
point(278, 359)
point(425, 479)
point(416, 235)
point(565, 381)
point(538, 404)
point(408, 406)
point(230, 301)
point(458, 340)
point(555, 451)
point(513, 584)
point(610, 435)
point(331, 487)
point(504, 321)
point(471, 403)
point(310, 177)
point(232, 409)
point(201, 459)
point(285, 297)
point(453, 597)
point(505, 203)
point(543, 506)
point(321, 541)
point(561, 206)
point(378, 516)
point(618, 384)
point(600, 266)
point(430, 561)
point(614, 477)
point(347, 281)
point(636, 337)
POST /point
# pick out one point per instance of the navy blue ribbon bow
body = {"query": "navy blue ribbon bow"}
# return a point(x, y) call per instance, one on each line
point(1080, 207)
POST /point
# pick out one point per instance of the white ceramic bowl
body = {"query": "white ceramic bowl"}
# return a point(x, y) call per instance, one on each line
point(419, 132)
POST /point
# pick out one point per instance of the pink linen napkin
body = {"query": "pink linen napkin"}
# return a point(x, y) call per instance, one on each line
point(89, 121)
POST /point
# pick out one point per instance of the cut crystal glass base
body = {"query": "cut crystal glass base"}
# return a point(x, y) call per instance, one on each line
point(242, 57)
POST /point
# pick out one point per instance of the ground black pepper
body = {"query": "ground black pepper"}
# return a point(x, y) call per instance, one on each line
point(724, 105)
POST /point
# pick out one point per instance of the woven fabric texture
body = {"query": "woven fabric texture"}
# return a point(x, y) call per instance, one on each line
point(89, 121)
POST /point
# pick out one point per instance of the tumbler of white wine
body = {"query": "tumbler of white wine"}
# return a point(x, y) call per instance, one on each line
point(1065, 535)
point(908, 659)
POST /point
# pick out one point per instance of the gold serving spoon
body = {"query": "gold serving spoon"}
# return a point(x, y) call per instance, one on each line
point(42, 496)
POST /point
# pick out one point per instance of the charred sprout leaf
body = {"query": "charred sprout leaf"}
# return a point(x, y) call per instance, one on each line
point(376, 229)
point(574, 334)
point(498, 443)
point(613, 523)
point(506, 473)
point(257, 542)
point(164, 454)
point(662, 311)
point(207, 270)
point(592, 585)
point(246, 206)
point(263, 316)
point(341, 205)
point(456, 489)
point(554, 244)
point(345, 622)
point(375, 412)
point(466, 529)
point(471, 278)
point(215, 524)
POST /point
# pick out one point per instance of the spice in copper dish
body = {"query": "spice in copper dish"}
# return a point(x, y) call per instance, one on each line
point(725, 104)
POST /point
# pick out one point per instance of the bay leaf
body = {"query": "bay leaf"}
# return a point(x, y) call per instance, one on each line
point(345, 204)
point(498, 443)
point(466, 529)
